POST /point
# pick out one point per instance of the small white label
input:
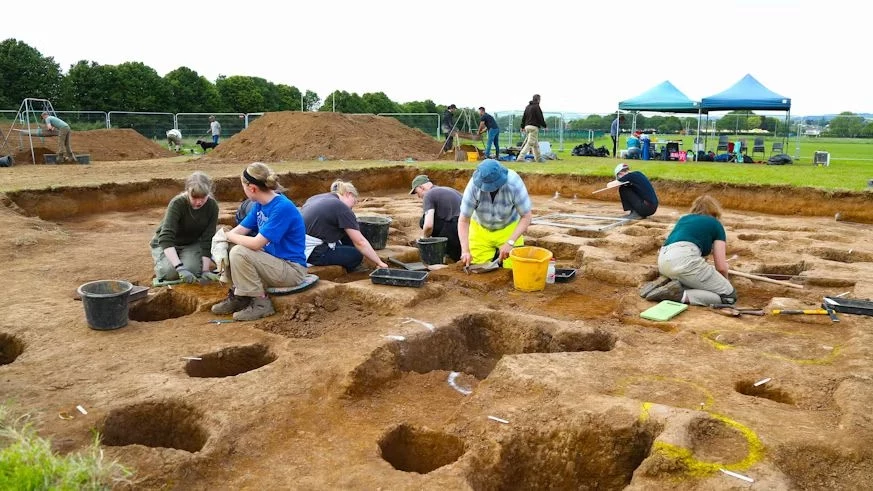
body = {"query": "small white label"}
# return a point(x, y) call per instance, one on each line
point(762, 381)
point(81, 410)
point(738, 476)
point(499, 420)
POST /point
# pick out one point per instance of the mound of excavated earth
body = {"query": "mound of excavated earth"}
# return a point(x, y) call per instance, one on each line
point(333, 136)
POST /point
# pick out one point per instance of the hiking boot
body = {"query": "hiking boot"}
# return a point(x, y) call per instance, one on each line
point(258, 308)
point(657, 282)
point(231, 304)
point(671, 291)
point(633, 215)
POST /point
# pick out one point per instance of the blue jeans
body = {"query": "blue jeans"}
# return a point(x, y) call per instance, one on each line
point(342, 255)
point(215, 139)
point(493, 135)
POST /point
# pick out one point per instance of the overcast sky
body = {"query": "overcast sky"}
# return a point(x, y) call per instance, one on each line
point(581, 56)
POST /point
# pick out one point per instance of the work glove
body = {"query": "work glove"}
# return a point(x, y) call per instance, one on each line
point(186, 276)
point(210, 276)
point(219, 250)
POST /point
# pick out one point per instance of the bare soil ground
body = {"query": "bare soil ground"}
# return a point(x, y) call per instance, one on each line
point(362, 386)
point(101, 145)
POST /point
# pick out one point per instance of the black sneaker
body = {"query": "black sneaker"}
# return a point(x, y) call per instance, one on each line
point(671, 291)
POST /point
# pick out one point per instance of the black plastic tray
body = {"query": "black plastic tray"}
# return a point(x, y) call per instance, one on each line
point(850, 305)
point(398, 277)
point(564, 275)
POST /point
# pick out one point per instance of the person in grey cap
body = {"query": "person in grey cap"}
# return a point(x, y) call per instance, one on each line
point(495, 212)
point(441, 207)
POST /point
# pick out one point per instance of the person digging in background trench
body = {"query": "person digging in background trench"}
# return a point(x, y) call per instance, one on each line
point(495, 212)
point(182, 242)
point(488, 124)
point(333, 235)
point(54, 123)
point(686, 275)
point(441, 206)
point(174, 140)
point(637, 195)
point(273, 257)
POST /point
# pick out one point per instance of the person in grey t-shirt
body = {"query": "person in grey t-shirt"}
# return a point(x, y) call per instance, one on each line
point(441, 206)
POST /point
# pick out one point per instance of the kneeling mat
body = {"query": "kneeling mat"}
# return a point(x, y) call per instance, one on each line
point(665, 310)
point(308, 281)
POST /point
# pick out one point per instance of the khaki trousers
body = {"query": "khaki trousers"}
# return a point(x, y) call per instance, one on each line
point(64, 150)
point(251, 272)
point(704, 284)
point(531, 142)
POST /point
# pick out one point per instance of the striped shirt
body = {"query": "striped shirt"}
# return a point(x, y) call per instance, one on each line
point(510, 203)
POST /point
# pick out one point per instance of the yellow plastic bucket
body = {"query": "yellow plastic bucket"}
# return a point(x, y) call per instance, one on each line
point(529, 268)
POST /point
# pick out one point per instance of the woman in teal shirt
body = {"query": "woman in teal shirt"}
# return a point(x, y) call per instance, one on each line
point(682, 259)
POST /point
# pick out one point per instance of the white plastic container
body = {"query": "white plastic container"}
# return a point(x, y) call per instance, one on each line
point(550, 275)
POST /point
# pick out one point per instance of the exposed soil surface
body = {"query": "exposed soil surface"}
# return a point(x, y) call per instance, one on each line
point(464, 383)
point(101, 145)
point(330, 136)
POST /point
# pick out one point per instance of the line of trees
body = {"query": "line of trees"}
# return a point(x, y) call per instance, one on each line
point(134, 86)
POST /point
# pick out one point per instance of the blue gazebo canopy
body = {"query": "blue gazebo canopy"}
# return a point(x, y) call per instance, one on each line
point(664, 97)
point(747, 94)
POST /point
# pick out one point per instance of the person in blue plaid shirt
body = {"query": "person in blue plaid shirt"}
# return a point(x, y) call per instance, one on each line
point(495, 212)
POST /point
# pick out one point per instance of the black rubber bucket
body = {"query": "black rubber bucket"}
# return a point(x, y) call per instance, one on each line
point(375, 230)
point(105, 303)
point(432, 249)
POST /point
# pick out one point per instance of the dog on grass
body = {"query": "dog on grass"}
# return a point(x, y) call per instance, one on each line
point(205, 145)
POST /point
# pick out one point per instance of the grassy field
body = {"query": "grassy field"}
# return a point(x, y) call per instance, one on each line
point(851, 164)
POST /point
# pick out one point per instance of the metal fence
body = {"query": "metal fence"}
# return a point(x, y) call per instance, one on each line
point(197, 124)
point(426, 122)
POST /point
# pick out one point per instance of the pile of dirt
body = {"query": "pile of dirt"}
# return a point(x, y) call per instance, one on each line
point(333, 136)
point(101, 145)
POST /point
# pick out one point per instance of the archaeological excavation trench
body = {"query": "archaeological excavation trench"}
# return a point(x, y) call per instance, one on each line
point(464, 382)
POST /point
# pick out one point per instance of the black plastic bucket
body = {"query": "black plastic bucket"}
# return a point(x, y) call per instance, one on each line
point(105, 303)
point(375, 230)
point(432, 249)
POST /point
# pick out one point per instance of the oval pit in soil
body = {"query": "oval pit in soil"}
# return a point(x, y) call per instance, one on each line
point(412, 449)
point(230, 362)
point(11, 348)
point(473, 344)
point(168, 303)
point(166, 424)
point(587, 454)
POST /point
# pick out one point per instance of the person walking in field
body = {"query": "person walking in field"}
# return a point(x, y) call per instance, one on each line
point(214, 129)
point(54, 123)
point(531, 122)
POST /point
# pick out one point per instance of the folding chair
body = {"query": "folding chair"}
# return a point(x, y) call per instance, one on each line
point(722, 143)
point(758, 146)
point(777, 149)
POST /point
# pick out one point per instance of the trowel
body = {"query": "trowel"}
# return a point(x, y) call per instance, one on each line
point(417, 266)
point(483, 267)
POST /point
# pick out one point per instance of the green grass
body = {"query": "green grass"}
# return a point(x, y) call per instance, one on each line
point(27, 461)
point(850, 169)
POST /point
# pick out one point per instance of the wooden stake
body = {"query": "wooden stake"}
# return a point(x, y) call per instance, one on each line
point(765, 279)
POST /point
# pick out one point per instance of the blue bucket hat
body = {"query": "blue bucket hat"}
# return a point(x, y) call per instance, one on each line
point(490, 175)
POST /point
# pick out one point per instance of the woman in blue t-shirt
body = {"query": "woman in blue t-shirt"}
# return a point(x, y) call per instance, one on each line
point(273, 257)
point(686, 275)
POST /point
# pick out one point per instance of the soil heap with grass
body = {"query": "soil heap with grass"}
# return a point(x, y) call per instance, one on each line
point(288, 135)
point(101, 145)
